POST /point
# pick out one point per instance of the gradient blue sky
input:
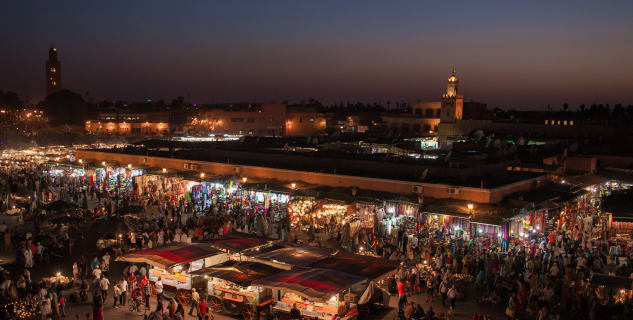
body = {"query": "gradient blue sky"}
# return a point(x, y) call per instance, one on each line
point(524, 54)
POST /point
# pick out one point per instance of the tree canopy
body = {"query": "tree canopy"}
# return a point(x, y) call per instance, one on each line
point(66, 107)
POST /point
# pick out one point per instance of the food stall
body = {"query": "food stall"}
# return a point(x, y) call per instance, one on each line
point(316, 293)
point(174, 263)
point(230, 289)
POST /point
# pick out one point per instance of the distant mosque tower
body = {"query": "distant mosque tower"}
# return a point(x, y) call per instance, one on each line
point(452, 101)
point(53, 72)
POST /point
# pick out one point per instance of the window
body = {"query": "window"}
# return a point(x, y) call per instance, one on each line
point(418, 112)
point(237, 119)
point(311, 120)
point(437, 112)
point(546, 122)
point(565, 122)
point(558, 122)
point(571, 122)
point(250, 120)
point(429, 113)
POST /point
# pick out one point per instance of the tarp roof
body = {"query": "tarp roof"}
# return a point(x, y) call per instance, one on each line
point(170, 255)
point(311, 283)
point(238, 242)
point(294, 255)
point(598, 279)
point(588, 179)
point(240, 273)
point(359, 265)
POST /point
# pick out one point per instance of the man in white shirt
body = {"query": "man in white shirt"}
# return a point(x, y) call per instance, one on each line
point(159, 289)
point(104, 284)
point(97, 273)
point(123, 286)
point(195, 299)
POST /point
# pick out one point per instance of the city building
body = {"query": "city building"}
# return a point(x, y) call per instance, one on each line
point(130, 124)
point(53, 72)
point(272, 120)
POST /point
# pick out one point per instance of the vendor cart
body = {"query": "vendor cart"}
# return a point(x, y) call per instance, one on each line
point(174, 263)
point(230, 289)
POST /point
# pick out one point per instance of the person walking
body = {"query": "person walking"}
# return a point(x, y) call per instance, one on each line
point(202, 309)
point(117, 294)
point(159, 290)
point(62, 306)
point(195, 300)
point(104, 285)
point(123, 286)
point(452, 296)
point(147, 292)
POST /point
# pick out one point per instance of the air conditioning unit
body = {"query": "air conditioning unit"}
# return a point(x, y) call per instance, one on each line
point(418, 189)
point(453, 190)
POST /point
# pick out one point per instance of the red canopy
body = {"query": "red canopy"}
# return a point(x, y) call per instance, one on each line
point(170, 255)
point(311, 283)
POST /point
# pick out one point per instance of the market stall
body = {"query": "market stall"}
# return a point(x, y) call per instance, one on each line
point(287, 255)
point(316, 293)
point(237, 243)
point(174, 263)
point(230, 289)
point(372, 268)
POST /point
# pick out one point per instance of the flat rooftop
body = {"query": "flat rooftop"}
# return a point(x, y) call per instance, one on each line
point(480, 175)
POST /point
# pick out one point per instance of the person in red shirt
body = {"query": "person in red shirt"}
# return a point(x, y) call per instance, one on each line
point(62, 304)
point(202, 308)
point(402, 297)
point(172, 308)
point(132, 281)
point(552, 237)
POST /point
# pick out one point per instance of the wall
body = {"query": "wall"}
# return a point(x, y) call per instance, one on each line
point(301, 123)
point(479, 195)
point(580, 165)
point(267, 120)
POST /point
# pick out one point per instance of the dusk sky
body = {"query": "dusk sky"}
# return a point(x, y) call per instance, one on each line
point(519, 54)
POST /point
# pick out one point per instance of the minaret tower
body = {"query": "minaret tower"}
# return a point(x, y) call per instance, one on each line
point(452, 101)
point(53, 72)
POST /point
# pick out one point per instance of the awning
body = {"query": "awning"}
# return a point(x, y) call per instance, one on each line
point(313, 284)
point(170, 255)
point(614, 282)
point(238, 242)
point(358, 265)
point(241, 273)
point(294, 255)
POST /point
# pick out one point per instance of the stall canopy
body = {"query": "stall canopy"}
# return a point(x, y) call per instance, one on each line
point(241, 273)
point(620, 205)
point(294, 255)
point(238, 242)
point(363, 266)
point(170, 255)
point(615, 282)
point(311, 283)
point(60, 205)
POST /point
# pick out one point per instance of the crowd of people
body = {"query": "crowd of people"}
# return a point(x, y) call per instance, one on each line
point(545, 276)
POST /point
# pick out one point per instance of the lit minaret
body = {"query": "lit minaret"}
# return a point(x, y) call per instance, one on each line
point(452, 101)
point(53, 72)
